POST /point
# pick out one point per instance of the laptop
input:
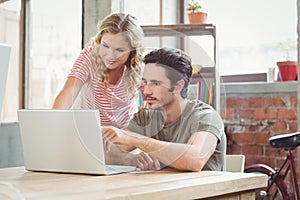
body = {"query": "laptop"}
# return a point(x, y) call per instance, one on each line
point(67, 141)
point(4, 62)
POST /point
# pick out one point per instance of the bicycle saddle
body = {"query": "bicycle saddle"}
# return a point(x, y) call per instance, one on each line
point(287, 141)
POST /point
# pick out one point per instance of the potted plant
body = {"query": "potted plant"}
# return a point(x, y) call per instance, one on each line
point(196, 16)
point(288, 69)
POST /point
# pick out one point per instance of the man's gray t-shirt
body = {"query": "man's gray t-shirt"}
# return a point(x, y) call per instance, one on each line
point(197, 116)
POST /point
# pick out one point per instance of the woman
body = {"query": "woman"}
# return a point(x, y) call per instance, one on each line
point(106, 74)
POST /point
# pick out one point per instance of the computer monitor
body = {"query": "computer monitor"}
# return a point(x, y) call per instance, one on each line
point(4, 62)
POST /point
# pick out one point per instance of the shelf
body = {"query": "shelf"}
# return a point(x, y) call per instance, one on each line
point(179, 30)
point(207, 75)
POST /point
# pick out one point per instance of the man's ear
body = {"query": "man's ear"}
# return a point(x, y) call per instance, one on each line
point(179, 85)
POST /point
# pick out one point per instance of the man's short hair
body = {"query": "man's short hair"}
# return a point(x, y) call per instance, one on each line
point(176, 63)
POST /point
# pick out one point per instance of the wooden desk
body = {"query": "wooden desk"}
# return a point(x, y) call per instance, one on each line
point(165, 184)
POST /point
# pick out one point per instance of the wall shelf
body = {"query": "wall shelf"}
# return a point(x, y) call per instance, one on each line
point(181, 31)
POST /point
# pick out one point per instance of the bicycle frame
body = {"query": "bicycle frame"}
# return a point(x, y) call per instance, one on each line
point(289, 163)
point(274, 178)
point(291, 159)
point(278, 176)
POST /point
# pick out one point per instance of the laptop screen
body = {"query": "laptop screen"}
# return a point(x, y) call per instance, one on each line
point(4, 62)
point(68, 141)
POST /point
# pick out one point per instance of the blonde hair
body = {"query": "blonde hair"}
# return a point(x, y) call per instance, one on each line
point(127, 25)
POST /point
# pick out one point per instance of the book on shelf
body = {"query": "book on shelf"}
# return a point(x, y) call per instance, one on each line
point(205, 91)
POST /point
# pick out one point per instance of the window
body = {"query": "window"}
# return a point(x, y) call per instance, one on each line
point(53, 33)
point(10, 34)
point(248, 31)
point(152, 15)
point(54, 44)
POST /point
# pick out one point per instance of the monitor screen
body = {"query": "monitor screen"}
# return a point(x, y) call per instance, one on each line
point(4, 62)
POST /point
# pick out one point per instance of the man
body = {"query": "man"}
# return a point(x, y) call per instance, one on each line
point(180, 133)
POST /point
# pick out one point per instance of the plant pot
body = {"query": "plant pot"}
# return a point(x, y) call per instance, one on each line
point(288, 70)
point(197, 17)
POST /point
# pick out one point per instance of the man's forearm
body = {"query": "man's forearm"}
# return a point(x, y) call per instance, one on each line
point(191, 156)
point(176, 155)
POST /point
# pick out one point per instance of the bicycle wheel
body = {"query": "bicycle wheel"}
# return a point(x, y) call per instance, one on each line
point(276, 189)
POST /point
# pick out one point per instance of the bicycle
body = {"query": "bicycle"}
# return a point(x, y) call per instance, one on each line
point(277, 188)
